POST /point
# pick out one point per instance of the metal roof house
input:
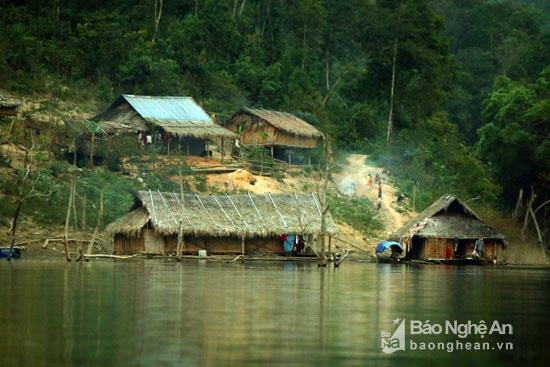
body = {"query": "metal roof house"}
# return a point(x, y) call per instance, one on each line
point(280, 131)
point(447, 231)
point(172, 121)
point(219, 224)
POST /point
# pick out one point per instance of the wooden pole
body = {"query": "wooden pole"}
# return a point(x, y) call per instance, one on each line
point(98, 224)
point(328, 153)
point(179, 247)
point(66, 233)
point(414, 195)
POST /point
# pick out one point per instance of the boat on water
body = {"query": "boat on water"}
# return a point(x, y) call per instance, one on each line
point(5, 251)
point(388, 252)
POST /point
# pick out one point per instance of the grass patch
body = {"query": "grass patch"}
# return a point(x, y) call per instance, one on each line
point(358, 212)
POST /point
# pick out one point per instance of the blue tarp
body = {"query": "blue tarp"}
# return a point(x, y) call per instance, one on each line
point(289, 242)
point(384, 245)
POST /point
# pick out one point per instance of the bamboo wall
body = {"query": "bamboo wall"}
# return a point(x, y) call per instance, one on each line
point(443, 248)
point(153, 243)
point(436, 248)
point(224, 245)
point(262, 133)
point(124, 245)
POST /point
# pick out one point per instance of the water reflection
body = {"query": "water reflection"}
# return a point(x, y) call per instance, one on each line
point(202, 313)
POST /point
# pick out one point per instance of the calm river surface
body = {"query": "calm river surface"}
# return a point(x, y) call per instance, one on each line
point(207, 313)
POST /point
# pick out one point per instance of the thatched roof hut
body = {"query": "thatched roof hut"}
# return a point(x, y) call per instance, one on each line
point(270, 128)
point(447, 229)
point(256, 215)
point(249, 216)
point(8, 105)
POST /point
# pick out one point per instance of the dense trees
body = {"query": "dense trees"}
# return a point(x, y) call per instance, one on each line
point(516, 140)
point(456, 68)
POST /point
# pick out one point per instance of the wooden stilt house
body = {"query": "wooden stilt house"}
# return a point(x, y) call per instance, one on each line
point(447, 231)
point(217, 224)
point(289, 137)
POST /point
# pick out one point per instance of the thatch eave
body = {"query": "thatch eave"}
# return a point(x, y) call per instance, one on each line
point(447, 217)
point(283, 121)
point(226, 216)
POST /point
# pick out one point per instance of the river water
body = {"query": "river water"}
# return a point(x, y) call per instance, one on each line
point(152, 312)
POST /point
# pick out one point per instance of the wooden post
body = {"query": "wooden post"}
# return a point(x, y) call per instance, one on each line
point(414, 194)
point(328, 153)
point(66, 233)
point(179, 246)
point(98, 224)
point(181, 243)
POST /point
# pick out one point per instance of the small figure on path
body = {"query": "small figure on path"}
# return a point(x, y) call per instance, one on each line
point(369, 181)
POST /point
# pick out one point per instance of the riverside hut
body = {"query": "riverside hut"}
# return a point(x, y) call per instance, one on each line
point(447, 231)
point(172, 122)
point(217, 224)
point(290, 138)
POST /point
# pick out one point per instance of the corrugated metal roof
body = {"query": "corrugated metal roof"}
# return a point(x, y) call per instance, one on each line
point(173, 109)
point(180, 116)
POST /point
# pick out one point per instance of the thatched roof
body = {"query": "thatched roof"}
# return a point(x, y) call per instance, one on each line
point(448, 217)
point(255, 215)
point(8, 105)
point(178, 116)
point(283, 121)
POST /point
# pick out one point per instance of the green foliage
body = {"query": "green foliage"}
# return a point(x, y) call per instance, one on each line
point(514, 143)
point(357, 212)
point(434, 158)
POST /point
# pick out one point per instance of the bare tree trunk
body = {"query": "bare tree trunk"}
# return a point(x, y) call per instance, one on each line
point(83, 223)
point(67, 219)
point(392, 88)
point(98, 224)
point(392, 93)
point(158, 14)
point(526, 218)
point(91, 157)
point(235, 6)
point(539, 234)
point(13, 227)
point(322, 197)
point(515, 213)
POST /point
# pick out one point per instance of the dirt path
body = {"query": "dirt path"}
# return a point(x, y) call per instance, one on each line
point(354, 174)
point(354, 170)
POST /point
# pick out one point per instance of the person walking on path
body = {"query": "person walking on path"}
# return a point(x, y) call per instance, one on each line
point(380, 190)
point(369, 181)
